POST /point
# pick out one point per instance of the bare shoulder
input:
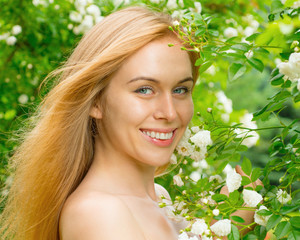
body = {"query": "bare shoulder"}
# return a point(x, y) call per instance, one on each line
point(94, 215)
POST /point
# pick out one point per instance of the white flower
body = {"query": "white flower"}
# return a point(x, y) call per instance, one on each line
point(216, 177)
point(226, 102)
point(221, 227)
point(202, 139)
point(296, 4)
point(283, 197)
point(177, 179)
point(86, 24)
point(70, 26)
point(16, 29)
point(194, 238)
point(227, 169)
point(259, 219)
point(233, 180)
point(93, 10)
point(249, 54)
point(23, 99)
point(211, 70)
point(286, 28)
point(251, 198)
point(169, 211)
point(183, 236)
point(11, 40)
point(216, 212)
point(173, 159)
point(195, 129)
point(185, 148)
point(199, 227)
point(251, 137)
point(199, 156)
point(176, 23)
point(287, 69)
point(249, 31)
point(75, 16)
point(198, 7)
point(294, 61)
point(4, 36)
point(172, 4)
point(29, 66)
point(39, 2)
point(230, 32)
point(195, 176)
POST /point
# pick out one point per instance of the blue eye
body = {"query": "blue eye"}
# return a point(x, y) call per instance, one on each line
point(181, 90)
point(144, 90)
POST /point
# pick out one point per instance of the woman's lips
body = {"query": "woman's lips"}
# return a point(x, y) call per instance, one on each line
point(159, 137)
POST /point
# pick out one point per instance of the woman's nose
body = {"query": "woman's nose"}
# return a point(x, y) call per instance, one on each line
point(165, 108)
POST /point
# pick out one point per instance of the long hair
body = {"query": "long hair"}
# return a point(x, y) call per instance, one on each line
point(57, 152)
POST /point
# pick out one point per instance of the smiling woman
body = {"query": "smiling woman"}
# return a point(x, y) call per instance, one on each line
point(121, 105)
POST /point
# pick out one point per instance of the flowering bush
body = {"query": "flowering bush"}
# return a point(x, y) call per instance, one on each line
point(237, 41)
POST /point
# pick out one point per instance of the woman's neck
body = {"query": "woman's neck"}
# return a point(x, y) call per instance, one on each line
point(119, 174)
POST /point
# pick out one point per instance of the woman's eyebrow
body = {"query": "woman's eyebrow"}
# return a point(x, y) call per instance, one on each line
point(156, 81)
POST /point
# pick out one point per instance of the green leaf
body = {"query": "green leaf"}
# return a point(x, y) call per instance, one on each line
point(295, 221)
point(213, 32)
point(242, 148)
point(246, 166)
point(289, 208)
point(276, 6)
point(237, 219)
point(282, 229)
point(234, 197)
point(277, 80)
point(245, 181)
point(250, 237)
point(259, 112)
point(200, 31)
point(252, 37)
point(235, 71)
point(234, 234)
point(256, 63)
point(294, 235)
point(205, 66)
point(241, 47)
point(255, 174)
point(219, 197)
point(273, 221)
point(222, 166)
point(264, 212)
point(235, 157)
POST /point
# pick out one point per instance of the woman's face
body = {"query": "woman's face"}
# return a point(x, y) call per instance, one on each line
point(148, 104)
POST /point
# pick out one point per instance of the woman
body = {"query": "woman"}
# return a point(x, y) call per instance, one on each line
point(122, 103)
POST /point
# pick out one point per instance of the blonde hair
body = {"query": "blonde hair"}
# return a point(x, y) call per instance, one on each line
point(57, 153)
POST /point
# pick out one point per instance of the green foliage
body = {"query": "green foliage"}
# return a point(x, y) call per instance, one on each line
point(238, 42)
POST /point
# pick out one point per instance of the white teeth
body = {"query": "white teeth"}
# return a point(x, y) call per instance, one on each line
point(157, 135)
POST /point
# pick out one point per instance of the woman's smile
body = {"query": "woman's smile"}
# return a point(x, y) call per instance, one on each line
point(159, 137)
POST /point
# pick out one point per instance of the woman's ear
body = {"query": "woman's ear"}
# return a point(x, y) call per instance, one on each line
point(96, 111)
